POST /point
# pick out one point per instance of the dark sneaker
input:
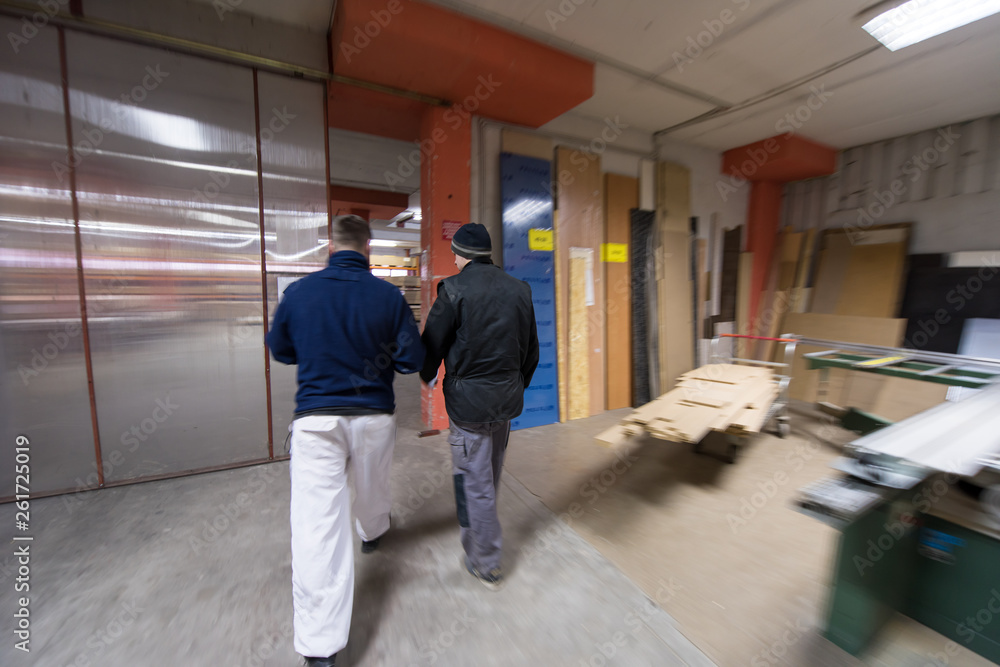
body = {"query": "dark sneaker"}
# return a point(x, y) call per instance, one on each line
point(368, 547)
point(322, 662)
point(493, 579)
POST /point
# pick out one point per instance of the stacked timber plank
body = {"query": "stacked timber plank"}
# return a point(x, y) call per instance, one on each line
point(716, 397)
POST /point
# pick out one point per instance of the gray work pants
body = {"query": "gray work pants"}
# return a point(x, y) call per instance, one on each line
point(477, 453)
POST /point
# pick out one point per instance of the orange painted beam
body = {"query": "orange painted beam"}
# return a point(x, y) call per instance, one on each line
point(784, 158)
point(381, 114)
point(399, 200)
point(769, 164)
point(482, 69)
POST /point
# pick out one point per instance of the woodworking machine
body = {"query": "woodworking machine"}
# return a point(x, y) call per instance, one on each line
point(917, 503)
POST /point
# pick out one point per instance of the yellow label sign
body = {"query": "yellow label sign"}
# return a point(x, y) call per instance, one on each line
point(882, 361)
point(540, 239)
point(614, 252)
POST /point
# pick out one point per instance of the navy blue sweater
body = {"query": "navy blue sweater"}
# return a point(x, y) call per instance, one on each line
point(348, 331)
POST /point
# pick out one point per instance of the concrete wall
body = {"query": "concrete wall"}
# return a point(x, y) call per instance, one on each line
point(946, 181)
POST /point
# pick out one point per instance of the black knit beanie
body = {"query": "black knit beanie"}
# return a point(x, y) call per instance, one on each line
point(471, 241)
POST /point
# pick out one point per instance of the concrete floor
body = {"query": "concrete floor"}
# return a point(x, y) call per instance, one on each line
point(618, 558)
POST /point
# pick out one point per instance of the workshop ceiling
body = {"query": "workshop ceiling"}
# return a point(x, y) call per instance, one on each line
point(653, 72)
point(661, 65)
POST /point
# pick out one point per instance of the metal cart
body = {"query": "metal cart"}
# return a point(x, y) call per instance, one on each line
point(778, 412)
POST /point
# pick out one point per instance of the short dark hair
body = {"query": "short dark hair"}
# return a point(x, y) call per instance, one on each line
point(350, 232)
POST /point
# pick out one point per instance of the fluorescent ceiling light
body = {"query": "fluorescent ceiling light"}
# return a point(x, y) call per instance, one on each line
point(383, 243)
point(917, 20)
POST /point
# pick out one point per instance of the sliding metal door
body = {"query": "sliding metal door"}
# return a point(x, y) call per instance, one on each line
point(293, 160)
point(166, 159)
point(43, 393)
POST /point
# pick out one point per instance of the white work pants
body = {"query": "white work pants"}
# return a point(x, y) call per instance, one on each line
point(325, 450)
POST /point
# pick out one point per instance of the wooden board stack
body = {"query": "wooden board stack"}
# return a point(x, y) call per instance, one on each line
point(716, 397)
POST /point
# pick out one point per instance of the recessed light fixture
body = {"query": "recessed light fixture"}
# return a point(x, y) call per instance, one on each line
point(384, 243)
point(916, 20)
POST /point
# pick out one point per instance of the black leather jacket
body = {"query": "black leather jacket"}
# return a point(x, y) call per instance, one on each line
point(482, 326)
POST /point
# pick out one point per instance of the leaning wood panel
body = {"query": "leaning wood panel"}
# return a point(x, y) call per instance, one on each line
point(675, 312)
point(882, 331)
point(674, 290)
point(874, 280)
point(579, 224)
point(833, 261)
point(522, 143)
point(621, 195)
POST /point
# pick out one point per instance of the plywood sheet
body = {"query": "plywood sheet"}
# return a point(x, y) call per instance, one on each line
point(842, 328)
point(806, 258)
point(900, 398)
point(621, 195)
point(708, 398)
point(674, 290)
point(579, 359)
point(873, 282)
point(523, 143)
point(674, 305)
point(580, 224)
point(833, 262)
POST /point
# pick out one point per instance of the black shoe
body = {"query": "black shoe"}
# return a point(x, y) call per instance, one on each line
point(322, 662)
point(368, 547)
point(493, 579)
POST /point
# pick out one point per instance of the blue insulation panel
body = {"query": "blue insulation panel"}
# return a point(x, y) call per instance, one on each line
point(526, 195)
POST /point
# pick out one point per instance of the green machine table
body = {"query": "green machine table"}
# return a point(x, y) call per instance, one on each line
point(913, 539)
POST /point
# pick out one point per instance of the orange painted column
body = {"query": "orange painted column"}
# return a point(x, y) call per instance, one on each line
point(763, 219)
point(445, 173)
point(770, 164)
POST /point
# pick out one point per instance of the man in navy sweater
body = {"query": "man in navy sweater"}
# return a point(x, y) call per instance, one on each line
point(349, 332)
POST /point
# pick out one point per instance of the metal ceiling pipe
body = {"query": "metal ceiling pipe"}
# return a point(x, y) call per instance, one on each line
point(181, 45)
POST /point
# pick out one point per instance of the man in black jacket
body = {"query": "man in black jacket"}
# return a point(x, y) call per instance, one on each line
point(482, 326)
